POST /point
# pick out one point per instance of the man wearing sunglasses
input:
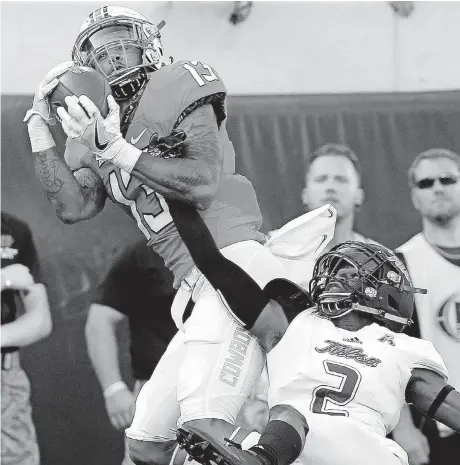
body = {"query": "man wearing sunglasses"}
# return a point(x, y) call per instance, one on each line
point(433, 259)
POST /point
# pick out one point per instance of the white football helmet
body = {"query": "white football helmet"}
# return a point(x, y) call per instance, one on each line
point(107, 33)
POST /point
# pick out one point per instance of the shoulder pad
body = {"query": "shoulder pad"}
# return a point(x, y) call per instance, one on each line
point(177, 89)
point(422, 354)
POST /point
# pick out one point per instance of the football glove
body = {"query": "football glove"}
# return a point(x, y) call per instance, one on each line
point(83, 122)
point(41, 105)
point(39, 116)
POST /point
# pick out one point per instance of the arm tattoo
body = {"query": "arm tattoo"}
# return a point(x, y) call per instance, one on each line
point(47, 172)
point(92, 187)
point(74, 196)
point(52, 178)
point(203, 141)
point(203, 145)
point(195, 177)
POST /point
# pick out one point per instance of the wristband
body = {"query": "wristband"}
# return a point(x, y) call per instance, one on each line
point(39, 134)
point(443, 393)
point(126, 155)
point(113, 388)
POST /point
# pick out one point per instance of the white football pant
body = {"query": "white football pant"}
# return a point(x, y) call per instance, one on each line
point(212, 363)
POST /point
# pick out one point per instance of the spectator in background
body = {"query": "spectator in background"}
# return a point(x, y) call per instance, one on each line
point(433, 260)
point(139, 287)
point(333, 175)
point(26, 319)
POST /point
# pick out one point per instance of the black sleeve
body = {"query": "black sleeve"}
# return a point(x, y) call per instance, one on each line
point(244, 296)
point(414, 329)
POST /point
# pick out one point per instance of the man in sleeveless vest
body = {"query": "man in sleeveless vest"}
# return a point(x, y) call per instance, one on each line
point(433, 259)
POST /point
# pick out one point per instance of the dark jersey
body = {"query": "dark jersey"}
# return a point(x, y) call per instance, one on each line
point(17, 247)
point(140, 286)
point(171, 93)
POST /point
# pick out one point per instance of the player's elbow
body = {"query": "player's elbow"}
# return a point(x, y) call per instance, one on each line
point(67, 218)
point(68, 215)
point(79, 213)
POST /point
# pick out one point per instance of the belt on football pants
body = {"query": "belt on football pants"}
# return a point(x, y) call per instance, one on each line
point(10, 360)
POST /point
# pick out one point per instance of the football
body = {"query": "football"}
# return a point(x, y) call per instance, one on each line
point(81, 80)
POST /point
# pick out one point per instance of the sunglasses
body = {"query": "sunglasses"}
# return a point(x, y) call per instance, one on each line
point(445, 180)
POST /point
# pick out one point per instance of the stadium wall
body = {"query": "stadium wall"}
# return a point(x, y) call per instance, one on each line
point(273, 136)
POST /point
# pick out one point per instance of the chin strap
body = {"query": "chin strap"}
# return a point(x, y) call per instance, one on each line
point(344, 310)
point(414, 290)
point(382, 314)
point(123, 92)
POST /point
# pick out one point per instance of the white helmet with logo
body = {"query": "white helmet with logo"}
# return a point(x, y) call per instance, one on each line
point(107, 33)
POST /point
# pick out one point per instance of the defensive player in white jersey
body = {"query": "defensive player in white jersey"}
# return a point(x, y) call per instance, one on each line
point(341, 372)
point(130, 158)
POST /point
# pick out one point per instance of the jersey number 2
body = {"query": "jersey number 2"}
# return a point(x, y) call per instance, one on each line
point(201, 78)
point(325, 398)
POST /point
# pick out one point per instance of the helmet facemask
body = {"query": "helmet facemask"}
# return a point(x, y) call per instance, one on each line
point(367, 278)
point(123, 49)
point(336, 285)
